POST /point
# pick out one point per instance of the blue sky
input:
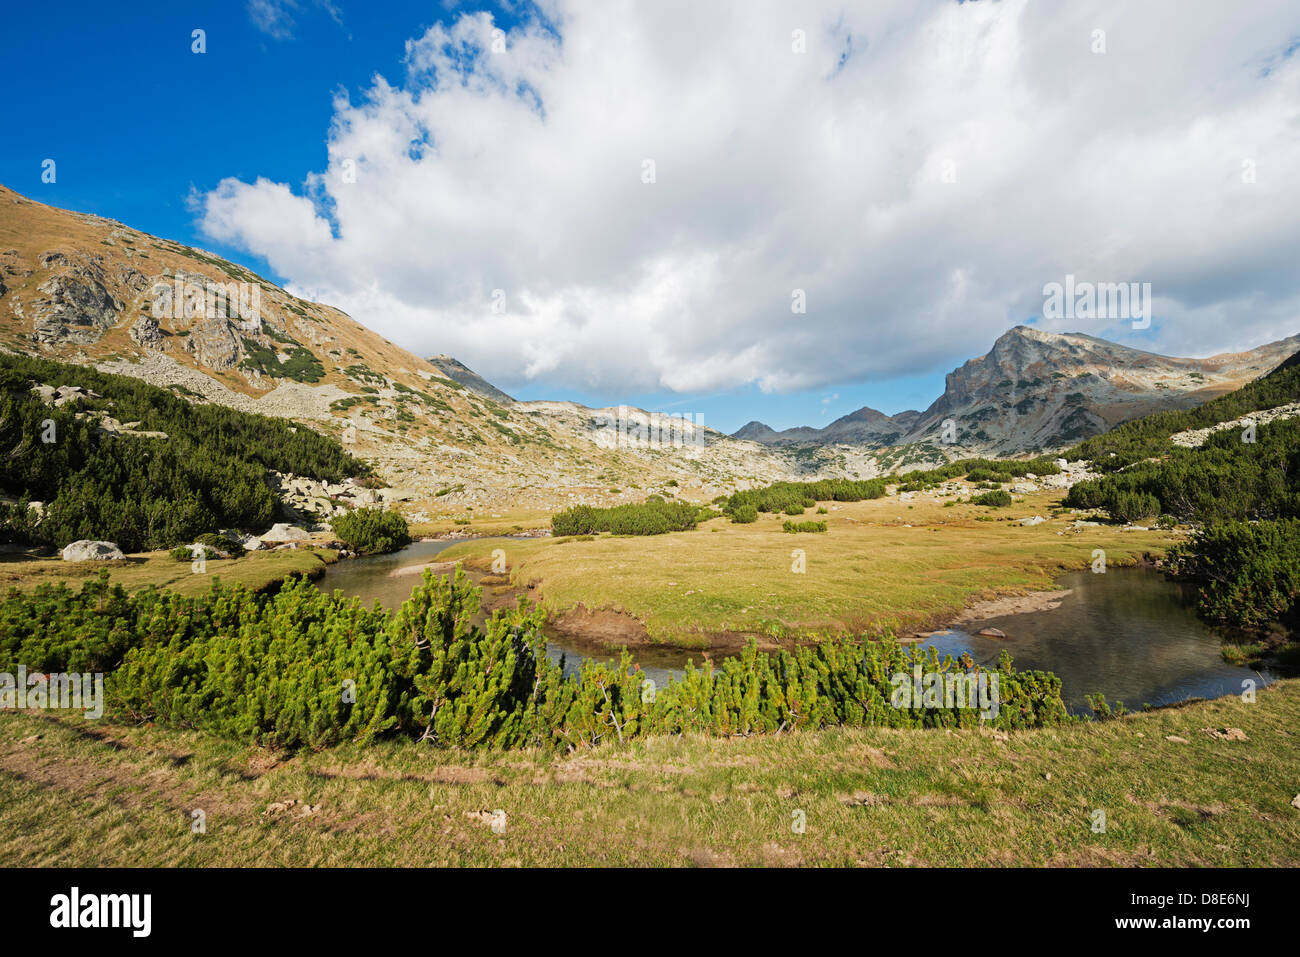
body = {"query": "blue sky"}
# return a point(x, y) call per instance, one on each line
point(196, 148)
point(136, 122)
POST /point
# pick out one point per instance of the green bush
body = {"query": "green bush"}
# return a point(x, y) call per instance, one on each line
point(1133, 506)
point(995, 499)
point(221, 543)
point(782, 496)
point(372, 530)
point(803, 526)
point(744, 514)
point(654, 517)
point(303, 669)
point(1249, 574)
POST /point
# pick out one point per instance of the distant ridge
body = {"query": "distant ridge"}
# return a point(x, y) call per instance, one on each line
point(1036, 391)
point(457, 371)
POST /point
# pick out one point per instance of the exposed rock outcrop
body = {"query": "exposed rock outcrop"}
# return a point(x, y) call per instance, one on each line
point(89, 551)
point(146, 332)
point(75, 305)
point(214, 343)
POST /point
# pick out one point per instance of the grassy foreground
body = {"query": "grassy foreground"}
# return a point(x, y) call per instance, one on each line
point(74, 792)
point(881, 564)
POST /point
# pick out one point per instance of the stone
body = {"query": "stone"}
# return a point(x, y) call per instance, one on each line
point(284, 532)
point(146, 332)
point(992, 633)
point(90, 551)
point(1226, 734)
point(1036, 520)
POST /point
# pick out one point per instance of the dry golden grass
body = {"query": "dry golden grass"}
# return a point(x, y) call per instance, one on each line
point(256, 570)
point(881, 564)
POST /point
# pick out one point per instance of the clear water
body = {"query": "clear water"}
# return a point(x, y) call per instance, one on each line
point(1130, 634)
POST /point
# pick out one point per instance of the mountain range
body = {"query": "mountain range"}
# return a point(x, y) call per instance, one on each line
point(85, 289)
point(1039, 391)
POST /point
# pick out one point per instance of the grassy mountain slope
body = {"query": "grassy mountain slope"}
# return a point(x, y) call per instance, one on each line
point(83, 289)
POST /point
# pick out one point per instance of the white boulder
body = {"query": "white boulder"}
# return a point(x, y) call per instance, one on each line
point(284, 532)
point(88, 551)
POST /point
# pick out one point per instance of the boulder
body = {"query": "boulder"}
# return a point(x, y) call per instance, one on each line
point(88, 551)
point(992, 633)
point(1036, 520)
point(146, 332)
point(284, 532)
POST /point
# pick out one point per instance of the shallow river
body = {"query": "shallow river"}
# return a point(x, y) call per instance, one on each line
point(1129, 633)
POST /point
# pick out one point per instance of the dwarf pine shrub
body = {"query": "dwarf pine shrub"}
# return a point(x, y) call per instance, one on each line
point(653, 517)
point(803, 526)
point(372, 530)
point(303, 669)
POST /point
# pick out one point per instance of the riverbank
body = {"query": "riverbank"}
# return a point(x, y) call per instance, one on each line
point(1177, 788)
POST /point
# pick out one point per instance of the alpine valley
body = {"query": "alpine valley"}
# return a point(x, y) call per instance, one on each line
point(79, 288)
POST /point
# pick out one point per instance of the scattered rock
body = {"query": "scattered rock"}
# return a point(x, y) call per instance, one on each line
point(494, 819)
point(1226, 734)
point(992, 633)
point(1176, 739)
point(1036, 520)
point(291, 807)
point(88, 551)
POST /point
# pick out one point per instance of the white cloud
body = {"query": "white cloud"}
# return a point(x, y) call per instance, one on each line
point(522, 171)
point(277, 18)
point(274, 17)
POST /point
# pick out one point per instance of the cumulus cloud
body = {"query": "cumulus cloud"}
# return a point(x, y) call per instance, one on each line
point(919, 172)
